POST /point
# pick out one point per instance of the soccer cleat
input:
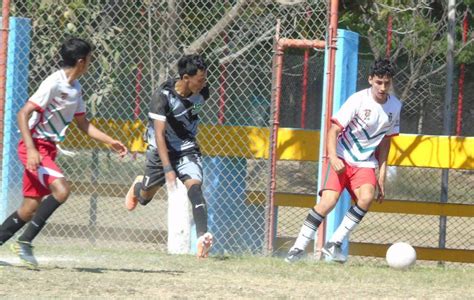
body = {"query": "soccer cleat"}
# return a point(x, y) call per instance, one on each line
point(294, 255)
point(131, 200)
point(25, 251)
point(204, 244)
point(334, 252)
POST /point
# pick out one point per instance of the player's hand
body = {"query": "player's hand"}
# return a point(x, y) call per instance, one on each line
point(171, 183)
point(381, 191)
point(118, 147)
point(337, 164)
point(33, 159)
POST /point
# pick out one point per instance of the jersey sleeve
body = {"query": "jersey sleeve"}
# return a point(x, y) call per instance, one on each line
point(159, 107)
point(346, 113)
point(395, 129)
point(44, 94)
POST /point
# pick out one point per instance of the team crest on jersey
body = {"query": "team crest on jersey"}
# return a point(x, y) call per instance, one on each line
point(367, 114)
point(390, 117)
point(196, 108)
point(64, 96)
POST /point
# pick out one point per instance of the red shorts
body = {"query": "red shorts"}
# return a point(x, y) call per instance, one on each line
point(351, 178)
point(36, 184)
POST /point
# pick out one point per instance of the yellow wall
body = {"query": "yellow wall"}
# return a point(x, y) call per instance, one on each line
point(293, 144)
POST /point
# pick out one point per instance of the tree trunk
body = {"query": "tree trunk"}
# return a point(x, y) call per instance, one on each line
point(168, 49)
point(204, 40)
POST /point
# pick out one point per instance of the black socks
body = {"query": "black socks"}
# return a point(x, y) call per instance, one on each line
point(45, 210)
point(10, 226)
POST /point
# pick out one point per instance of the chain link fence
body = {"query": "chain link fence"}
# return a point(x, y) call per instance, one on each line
point(137, 44)
point(421, 83)
point(422, 92)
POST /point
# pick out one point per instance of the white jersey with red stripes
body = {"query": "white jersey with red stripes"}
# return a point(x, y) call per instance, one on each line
point(57, 103)
point(364, 123)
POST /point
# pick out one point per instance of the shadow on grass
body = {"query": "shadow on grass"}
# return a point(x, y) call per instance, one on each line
point(220, 257)
point(94, 270)
point(125, 270)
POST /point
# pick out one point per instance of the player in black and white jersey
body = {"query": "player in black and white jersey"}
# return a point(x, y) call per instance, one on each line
point(173, 151)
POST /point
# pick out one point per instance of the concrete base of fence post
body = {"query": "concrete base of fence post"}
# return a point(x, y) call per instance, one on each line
point(179, 220)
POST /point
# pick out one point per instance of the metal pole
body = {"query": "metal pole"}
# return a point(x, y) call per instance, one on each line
point(276, 95)
point(304, 89)
point(331, 44)
point(151, 42)
point(462, 71)
point(138, 90)
point(3, 65)
point(93, 199)
point(448, 97)
point(222, 85)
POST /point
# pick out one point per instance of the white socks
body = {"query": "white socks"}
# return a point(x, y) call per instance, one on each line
point(348, 224)
point(308, 230)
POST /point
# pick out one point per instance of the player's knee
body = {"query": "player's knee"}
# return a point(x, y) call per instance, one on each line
point(60, 189)
point(26, 214)
point(365, 201)
point(196, 197)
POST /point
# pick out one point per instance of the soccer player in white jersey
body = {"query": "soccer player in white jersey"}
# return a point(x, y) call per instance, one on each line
point(358, 142)
point(43, 122)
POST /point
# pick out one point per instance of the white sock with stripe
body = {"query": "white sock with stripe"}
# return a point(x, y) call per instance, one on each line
point(308, 230)
point(348, 224)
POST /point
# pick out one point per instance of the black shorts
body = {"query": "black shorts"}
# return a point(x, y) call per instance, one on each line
point(187, 167)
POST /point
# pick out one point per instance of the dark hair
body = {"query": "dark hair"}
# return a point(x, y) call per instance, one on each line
point(72, 50)
point(190, 64)
point(382, 67)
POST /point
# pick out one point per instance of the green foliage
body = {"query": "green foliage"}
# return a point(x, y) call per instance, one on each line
point(54, 21)
point(466, 55)
point(416, 28)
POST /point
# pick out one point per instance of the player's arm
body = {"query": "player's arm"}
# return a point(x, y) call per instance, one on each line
point(345, 114)
point(159, 109)
point(160, 128)
point(384, 148)
point(33, 156)
point(92, 131)
point(336, 163)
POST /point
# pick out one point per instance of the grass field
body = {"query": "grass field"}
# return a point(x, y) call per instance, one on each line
point(97, 273)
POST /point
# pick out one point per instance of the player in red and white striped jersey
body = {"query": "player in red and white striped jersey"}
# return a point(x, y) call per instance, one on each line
point(43, 122)
point(358, 142)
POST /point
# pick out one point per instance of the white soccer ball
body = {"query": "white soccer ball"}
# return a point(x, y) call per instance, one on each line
point(401, 256)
